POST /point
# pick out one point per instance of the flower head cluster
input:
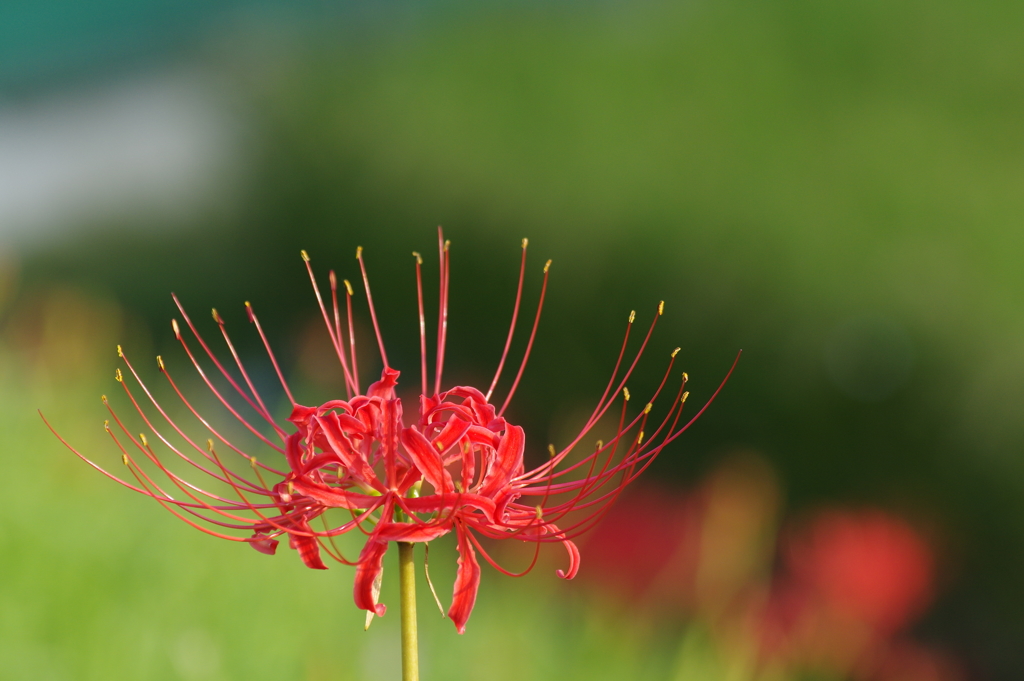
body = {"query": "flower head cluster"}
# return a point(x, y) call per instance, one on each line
point(457, 465)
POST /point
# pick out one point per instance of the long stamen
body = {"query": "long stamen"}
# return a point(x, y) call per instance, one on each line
point(443, 250)
point(209, 384)
point(529, 344)
point(259, 409)
point(245, 375)
point(351, 335)
point(512, 326)
point(270, 353)
point(423, 323)
point(369, 301)
point(335, 340)
point(333, 278)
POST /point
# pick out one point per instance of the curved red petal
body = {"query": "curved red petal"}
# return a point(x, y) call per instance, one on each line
point(508, 461)
point(368, 573)
point(467, 583)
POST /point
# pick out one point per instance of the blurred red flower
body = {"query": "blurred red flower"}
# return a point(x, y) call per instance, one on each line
point(868, 565)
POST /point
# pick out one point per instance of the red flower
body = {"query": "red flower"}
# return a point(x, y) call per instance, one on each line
point(357, 454)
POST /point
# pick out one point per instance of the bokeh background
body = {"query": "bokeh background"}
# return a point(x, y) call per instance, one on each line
point(835, 188)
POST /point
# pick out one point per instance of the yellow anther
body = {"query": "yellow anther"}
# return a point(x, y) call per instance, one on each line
point(359, 252)
point(458, 487)
point(540, 511)
point(419, 258)
point(632, 316)
point(625, 393)
point(160, 362)
point(103, 398)
point(685, 395)
point(686, 377)
point(106, 425)
point(661, 308)
point(440, 446)
point(252, 462)
point(525, 242)
point(305, 256)
point(547, 266)
point(676, 352)
point(118, 376)
point(447, 245)
point(119, 353)
point(145, 442)
point(209, 445)
point(124, 459)
point(640, 437)
point(647, 409)
point(291, 488)
point(216, 317)
point(177, 329)
point(551, 451)
point(600, 445)
point(248, 304)
point(348, 287)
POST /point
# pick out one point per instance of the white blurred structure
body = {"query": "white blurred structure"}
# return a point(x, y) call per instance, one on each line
point(158, 147)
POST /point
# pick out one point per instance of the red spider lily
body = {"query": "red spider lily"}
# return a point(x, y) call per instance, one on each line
point(357, 454)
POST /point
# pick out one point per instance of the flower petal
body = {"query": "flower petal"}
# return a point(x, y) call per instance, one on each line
point(308, 547)
point(508, 461)
point(412, 532)
point(467, 583)
point(334, 497)
point(368, 573)
point(426, 459)
point(574, 560)
point(265, 545)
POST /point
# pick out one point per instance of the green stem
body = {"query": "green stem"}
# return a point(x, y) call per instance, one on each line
point(407, 582)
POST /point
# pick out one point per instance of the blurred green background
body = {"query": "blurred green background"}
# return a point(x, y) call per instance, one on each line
point(837, 189)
